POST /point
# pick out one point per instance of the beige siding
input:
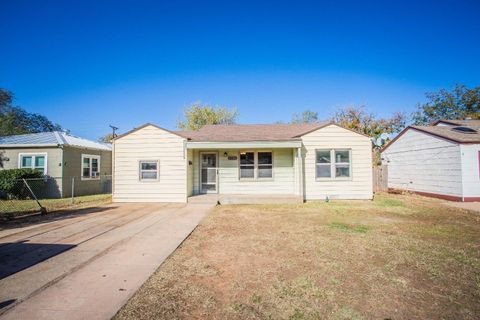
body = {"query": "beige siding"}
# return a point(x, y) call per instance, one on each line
point(54, 159)
point(54, 166)
point(72, 158)
point(296, 172)
point(283, 181)
point(150, 143)
point(359, 186)
point(421, 162)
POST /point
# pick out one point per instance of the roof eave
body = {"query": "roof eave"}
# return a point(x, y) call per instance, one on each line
point(87, 148)
point(29, 145)
point(331, 123)
point(427, 132)
point(323, 125)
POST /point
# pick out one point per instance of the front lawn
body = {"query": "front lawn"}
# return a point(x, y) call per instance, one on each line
point(398, 257)
point(28, 206)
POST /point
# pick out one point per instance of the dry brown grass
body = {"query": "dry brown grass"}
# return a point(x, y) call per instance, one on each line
point(398, 257)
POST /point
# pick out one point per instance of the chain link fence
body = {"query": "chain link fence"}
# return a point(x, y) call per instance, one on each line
point(51, 193)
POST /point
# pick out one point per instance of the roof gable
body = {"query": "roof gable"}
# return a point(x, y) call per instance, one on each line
point(337, 125)
point(442, 132)
point(148, 125)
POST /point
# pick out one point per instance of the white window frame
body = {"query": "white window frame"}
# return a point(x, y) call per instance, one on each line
point(333, 164)
point(246, 165)
point(255, 166)
point(90, 156)
point(140, 170)
point(33, 155)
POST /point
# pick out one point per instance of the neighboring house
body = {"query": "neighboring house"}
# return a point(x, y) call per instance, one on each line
point(62, 157)
point(442, 160)
point(307, 161)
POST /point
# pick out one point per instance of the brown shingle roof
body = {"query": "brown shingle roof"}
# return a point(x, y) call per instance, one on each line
point(466, 123)
point(447, 132)
point(251, 132)
point(444, 132)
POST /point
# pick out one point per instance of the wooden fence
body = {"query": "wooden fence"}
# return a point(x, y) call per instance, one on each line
point(380, 178)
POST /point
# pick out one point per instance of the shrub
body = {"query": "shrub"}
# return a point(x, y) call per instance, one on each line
point(11, 185)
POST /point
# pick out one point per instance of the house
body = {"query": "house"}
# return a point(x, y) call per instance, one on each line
point(441, 160)
point(63, 158)
point(305, 161)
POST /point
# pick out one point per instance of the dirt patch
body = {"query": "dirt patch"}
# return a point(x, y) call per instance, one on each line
point(471, 206)
point(398, 257)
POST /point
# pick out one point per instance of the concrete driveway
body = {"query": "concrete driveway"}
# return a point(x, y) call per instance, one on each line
point(87, 265)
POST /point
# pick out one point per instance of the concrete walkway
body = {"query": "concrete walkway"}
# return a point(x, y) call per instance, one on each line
point(88, 266)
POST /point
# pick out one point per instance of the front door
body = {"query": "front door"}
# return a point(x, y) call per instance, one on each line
point(208, 172)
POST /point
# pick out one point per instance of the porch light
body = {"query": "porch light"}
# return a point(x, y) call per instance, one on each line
point(225, 154)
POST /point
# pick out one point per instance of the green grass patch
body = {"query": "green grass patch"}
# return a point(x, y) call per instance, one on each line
point(388, 202)
point(28, 206)
point(348, 228)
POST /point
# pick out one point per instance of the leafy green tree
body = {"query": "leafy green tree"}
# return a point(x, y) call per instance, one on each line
point(362, 121)
point(15, 120)
point(198, 115)
point(459, 103)
point(106, 138)
point(307, 116)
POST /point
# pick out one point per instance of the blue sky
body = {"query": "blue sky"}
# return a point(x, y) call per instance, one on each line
point(88, 64)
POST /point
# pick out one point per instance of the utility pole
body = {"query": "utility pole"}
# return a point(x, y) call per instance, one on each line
point(113, 131)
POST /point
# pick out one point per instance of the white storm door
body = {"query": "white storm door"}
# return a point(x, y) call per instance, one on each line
point(208, 172)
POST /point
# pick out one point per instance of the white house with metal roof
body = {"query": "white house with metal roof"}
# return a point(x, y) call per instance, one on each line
point(283, 161)
point(62, 157)
point(442, 160)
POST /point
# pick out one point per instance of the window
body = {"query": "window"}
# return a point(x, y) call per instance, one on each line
point(256, 165)
point(148, 171)
point(342, 163)
point(333, 164)
point(90, 166)
point(265, 165)
point(247, 165)
point(37, 162)
point(323, 164)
